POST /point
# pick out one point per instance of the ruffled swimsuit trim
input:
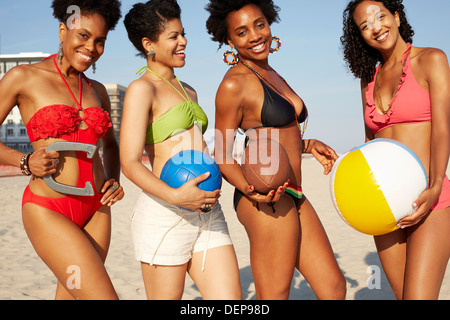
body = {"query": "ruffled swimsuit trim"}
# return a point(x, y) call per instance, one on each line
point(375, 116)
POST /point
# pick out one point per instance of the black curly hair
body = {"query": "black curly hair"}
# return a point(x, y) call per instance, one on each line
point(220, 9)
point(358, 55)
point(148, 20)
point(108, 9)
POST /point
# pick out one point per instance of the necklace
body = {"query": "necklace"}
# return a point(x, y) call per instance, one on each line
point(378, 99)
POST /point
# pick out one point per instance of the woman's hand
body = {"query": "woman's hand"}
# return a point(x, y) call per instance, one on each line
point(42, 163)
point(324, 154)
point(272, 197)
point(423, 206)
point(190, 197)
point(112, 192)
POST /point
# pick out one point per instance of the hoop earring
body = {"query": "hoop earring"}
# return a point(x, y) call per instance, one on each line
point(235, 57)
point(278, 42)
point(60, 54)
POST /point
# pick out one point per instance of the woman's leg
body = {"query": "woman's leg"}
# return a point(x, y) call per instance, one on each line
point(69, 253)
point(392, 253)
point(98, 231)
point(274, 241)
point(220, 280)
point(163, 282)
point(427, 256)
point(316, 260)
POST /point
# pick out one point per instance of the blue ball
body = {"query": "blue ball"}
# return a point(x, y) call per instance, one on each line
point(188, 165)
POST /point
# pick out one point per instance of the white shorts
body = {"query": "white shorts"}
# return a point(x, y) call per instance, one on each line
point(168, 235)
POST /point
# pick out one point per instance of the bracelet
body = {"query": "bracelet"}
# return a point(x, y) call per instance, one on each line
point(24, 167)
point(306, 144)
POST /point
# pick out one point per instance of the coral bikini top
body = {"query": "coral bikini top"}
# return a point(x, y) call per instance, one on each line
point(63, 122)
point(410, 104)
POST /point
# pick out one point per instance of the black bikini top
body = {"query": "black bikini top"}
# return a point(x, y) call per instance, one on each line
point(278, 111)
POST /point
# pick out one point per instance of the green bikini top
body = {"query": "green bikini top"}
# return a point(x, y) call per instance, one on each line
point(178, 119)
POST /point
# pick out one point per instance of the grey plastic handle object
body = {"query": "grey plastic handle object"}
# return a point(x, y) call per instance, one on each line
point(88, 190)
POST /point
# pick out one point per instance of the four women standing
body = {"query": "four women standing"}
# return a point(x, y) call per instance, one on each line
point(175, 231)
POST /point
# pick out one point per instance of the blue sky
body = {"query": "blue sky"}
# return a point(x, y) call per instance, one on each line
point(310, 58)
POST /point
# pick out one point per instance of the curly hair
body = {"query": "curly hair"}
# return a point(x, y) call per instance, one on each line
point(219, 10)
point(148, 20)
point(108, 9)
point(358, 55)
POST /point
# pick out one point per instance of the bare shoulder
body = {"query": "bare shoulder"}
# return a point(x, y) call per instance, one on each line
point(100, 89)
point(23, 80)
point(139, 96)
point(431, 57)
point(235, 81)
point(364, 85)
point(19, 74)
point(191, 91)
point(141, 87)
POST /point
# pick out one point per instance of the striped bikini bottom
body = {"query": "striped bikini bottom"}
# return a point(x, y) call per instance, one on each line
point(296, 193)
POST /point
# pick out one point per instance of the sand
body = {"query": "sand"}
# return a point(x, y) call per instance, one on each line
point(23, 276)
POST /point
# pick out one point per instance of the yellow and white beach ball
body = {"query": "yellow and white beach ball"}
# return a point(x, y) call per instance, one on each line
point(375, 185)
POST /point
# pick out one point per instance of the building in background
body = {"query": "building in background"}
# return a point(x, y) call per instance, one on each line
point(116, 94)
point(13, 132)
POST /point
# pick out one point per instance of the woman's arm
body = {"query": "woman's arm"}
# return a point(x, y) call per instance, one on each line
point(435, 64)
point(135, 119)
point(439, 84)
point(12, 88)
point(111, 157)
point(369, 134)
point(323, 153)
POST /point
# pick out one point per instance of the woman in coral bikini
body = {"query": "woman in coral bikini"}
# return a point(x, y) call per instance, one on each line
point(285, 231)
point(66, 207)
point(406, 98)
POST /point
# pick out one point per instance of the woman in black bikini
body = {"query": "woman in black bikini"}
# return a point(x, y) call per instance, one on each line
point(281, 227)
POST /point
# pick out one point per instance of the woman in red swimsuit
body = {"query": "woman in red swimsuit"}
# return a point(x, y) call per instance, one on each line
point(58, 104)
point(406, 98)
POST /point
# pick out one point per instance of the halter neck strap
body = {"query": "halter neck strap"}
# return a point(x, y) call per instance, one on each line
point(185, 97)
point(79, 101)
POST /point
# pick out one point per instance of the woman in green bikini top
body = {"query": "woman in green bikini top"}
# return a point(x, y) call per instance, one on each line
point(161, 115)
point(174, 231)
point(178, 119)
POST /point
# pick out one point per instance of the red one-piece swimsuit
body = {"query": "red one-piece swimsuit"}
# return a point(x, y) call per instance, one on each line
point(63, 122)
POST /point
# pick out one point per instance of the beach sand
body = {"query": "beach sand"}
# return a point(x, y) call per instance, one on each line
point(23, 276)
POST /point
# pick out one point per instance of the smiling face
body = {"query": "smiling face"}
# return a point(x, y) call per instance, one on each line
point(83, 46)
point(378, 26)
point(170, 49)
point(249, 32)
